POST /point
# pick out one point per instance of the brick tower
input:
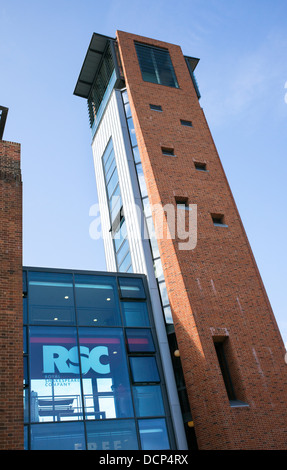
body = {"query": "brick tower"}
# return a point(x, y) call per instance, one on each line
point(11, 318)
point(157, 168)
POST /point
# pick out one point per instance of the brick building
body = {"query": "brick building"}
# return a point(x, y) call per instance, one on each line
point(158, 173)
point(11, 319)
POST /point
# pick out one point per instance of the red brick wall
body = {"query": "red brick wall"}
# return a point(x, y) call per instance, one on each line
point(215, 290)
point(11, 318)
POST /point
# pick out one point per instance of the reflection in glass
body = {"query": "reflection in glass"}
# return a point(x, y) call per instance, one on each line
point(60, 436)
point(135, 314)
point(132, 131)
point(113, 435)
point(148, 400)
point(144, 369)
point(141, 178)
point(51, 298)
point(139, 340)
point(54, 375)
point(153, 434)
point(125, 263)
point(136, 153)
point(163, 293)
point(132, 288)
point(105, 375)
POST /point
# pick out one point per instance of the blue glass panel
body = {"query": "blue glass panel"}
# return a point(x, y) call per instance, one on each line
point(139, 340)
point(54, 375)
point(148, 400)
point(26, 445)
point(136, 153)
point(59, 436)
point(132, 288)
point(132, 131)
point(120, 234)
point(125, 263)
point(142, 182)
point(153, 434)
point(128, 110)
point(112, 435)
point(110, 166)
point(26, 404)
point(51, 298)
point(163, 293)
point(144, 369)
point(112, 183)
point(125, 96)
point(108, 151)
point(97, 300)
point(135, 314)
point(105, 374)
point(124, 248)
point(25, 340)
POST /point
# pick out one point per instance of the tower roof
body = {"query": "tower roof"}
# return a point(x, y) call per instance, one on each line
point(91, 63)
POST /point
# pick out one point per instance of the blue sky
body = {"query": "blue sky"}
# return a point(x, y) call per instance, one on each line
point(242, 77)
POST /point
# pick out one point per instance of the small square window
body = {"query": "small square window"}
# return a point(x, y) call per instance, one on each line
point(185, 123)
point(168, 151)
point(155, 107)
point(218, 220)
point(200, 166)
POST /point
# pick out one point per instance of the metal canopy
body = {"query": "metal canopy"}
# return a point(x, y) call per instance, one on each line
point(192, 61)
point(90, 66)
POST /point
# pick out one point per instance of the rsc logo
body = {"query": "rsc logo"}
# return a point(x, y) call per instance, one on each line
point(67, 361)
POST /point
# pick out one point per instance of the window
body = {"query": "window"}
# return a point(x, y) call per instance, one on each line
point(200, 166)
point(59, 436)
point(155, 107)
point(148, 400)
point(139, 340)
point(144, 369)
point(135, 313)
point(218, 220)
point(153, 434)
point(156, 65)
point(168, 151)
point(124, 264)
point(51, 298)
point(113, 435)
point(221, 356)
point(96, 300)
point(131, 288)
point(185, 123)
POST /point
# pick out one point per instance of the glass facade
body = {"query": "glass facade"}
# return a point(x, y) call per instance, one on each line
point(118, 223)
point(92, 371)
point(147, 211)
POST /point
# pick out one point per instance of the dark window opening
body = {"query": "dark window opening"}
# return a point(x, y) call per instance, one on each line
point(221, 356)
point(218, 220)
point(168, 151)
point(200, 166)
point(155, 107)
point(185, 123)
